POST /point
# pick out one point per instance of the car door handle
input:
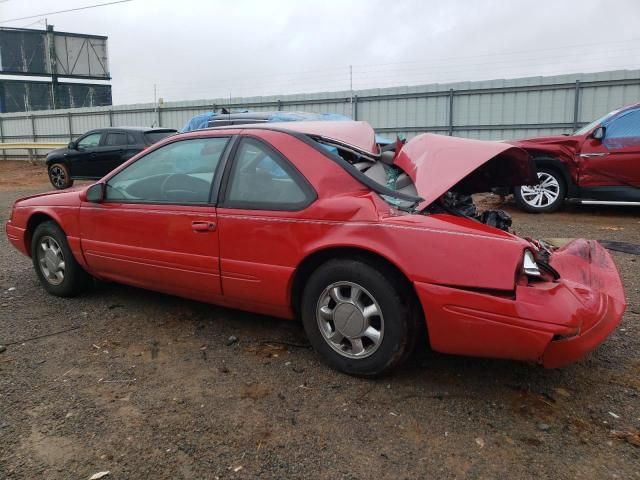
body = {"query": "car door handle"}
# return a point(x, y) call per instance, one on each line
point(589, 155)
point(203, 226)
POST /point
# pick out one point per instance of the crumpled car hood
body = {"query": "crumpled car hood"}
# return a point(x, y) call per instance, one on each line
point(438, 164)
point(564, 145)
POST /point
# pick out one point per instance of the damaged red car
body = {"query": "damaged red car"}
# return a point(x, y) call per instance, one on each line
point(374, 250)
point(599, 164)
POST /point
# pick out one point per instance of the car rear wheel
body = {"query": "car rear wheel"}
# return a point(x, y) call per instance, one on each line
point(358, 317)
point(59, 176)
point(547, 196)
point(57, 269)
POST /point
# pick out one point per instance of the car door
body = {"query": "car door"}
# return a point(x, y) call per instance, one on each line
point(112, 152)
point(614, 160)
point(261, 195)
point(156, 227)
point(81, 159)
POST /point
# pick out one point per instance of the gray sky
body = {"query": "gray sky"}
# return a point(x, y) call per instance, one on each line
point(196, 49)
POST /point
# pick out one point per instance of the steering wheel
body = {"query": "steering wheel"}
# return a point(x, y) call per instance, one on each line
point(163, 187)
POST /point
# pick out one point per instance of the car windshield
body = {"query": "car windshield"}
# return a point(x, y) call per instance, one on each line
point(587, 128)
point(153, 137)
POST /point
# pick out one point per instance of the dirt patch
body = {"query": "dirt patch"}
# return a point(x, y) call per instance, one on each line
point(149, 386)
point(20, 174)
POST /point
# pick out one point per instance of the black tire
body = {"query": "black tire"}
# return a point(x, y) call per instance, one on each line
point(385, 287)
point(557, 188)
point(74, 279)
point(59, 176)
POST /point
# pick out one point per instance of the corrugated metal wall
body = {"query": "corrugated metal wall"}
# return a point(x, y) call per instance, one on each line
point(494, 109)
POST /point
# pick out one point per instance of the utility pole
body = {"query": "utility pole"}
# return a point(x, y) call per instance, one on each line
point(53, 67)
point(351, 88)
point(155, 105)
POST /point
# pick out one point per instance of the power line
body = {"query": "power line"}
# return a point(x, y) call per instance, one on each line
point(512, 52)
point(64, 11)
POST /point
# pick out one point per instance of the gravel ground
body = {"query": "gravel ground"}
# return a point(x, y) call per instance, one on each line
point(149, 386)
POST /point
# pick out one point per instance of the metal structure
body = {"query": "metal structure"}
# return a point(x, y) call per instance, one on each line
point(495, 109)
point(28, 52)
point(21, 96)
point(45, 52)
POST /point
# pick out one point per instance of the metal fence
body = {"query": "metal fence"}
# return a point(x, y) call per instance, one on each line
point(495, 109)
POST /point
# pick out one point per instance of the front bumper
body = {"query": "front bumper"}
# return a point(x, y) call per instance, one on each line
point(16, 236)
point(552, 323)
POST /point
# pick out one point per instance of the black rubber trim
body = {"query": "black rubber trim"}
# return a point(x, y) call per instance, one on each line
point(300, 180)
point(220, 169)
point(611, 194)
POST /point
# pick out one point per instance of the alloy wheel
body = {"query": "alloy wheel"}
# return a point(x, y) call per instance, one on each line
point(542, 195)
point(350, 319)
point(58, 176)
point(51, 260)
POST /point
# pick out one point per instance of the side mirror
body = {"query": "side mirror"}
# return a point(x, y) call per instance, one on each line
point(598, 133)
point(95, 193)
point(72, 145)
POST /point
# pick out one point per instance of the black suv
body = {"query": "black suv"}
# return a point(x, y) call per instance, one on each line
point(97, 152)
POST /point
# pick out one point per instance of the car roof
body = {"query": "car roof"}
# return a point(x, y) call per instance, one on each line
point(137, 129)
point(347, 132)
point(244, 116)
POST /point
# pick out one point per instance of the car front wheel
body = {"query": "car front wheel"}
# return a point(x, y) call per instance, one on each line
point(547, 196)
point(55, 265)
point(59, 176)
point(358, 317)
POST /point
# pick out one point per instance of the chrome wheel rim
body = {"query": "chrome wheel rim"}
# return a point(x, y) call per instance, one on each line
point(51, 260)
point(350, 320)
point(543, 194)
point(58, 176)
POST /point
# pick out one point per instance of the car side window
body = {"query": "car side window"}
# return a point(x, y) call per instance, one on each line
point(261, 179)
point(623, 131)
point(131, 139)
point(114, 139)
point(90, 141)
point(179, 173)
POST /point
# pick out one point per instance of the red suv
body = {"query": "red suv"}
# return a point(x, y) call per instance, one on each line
point(597, 164)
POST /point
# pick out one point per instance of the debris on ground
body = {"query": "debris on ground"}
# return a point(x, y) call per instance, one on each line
point(98, 475)
point(544, 427)
point(632, 437)
point(231, 340)
point(480, 442)
point(624, 247)
point(2, 348)
point(562, 392)
point(266, 349)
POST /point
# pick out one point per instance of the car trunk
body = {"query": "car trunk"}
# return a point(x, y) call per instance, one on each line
point(438, 164)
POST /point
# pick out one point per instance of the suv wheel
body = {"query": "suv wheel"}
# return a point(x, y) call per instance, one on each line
point(59, 176)
point(547, 196)
point(358, 317)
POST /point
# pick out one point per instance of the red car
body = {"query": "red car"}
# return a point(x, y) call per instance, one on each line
point(599, 164)
point(370, 249)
